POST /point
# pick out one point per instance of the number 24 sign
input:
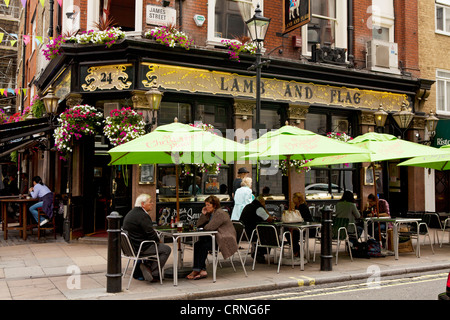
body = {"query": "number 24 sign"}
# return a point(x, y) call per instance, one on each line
point(106, 78)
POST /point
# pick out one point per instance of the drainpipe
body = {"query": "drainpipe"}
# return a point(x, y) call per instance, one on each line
point(23, 57)
point(350, 34)
point(50, 26)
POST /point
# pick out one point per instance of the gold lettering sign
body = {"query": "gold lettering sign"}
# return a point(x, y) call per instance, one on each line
point(228, 84)
point(106, 78)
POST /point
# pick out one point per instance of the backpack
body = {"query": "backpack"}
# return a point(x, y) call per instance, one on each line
point(374, 249)
point(360, 250)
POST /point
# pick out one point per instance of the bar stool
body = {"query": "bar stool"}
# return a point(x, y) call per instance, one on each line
point(51, 225)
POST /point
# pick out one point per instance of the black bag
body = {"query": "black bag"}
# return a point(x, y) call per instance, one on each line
point(360, 250)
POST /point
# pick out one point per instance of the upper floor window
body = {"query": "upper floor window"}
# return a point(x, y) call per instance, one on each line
point(226, 20)
point(443, 91)
point(443, 16)
point(327, 27)
point(382, 20)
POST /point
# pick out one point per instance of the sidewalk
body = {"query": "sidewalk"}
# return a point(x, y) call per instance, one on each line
point(48, 269)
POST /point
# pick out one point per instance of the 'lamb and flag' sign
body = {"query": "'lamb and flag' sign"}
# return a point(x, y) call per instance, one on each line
point(296, 13)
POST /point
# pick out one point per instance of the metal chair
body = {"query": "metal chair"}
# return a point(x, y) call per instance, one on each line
point(231, 260)
point(446, 224)
point(339, 233)
point(267, 237)
point(129, 253)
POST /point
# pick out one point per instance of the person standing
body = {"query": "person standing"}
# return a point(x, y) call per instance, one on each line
point(243, 197)
point(242, 173)
point(41, 191)
point(139, 226)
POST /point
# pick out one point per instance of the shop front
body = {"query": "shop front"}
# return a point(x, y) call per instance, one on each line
point(204, 88)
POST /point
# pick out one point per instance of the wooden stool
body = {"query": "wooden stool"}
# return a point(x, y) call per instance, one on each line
point(51, 225)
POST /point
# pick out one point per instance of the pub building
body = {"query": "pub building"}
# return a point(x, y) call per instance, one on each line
point(319, 78)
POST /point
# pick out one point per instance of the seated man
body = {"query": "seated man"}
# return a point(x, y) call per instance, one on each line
point(251, 215)
point(139, 226)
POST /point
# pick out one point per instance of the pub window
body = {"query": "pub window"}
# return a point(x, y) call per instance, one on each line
point(443, 17)
point(270, 175)
point(171, 110)
point(327, 26)
point(225, 20)
point(329, 182)
point(443, 91)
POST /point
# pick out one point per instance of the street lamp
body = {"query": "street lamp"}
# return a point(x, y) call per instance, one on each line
point(50, 102)
point(403, 117)
point(380, 116)
point(257, 27)
point(154, 97)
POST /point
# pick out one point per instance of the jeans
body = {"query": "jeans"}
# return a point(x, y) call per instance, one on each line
point(34, 210)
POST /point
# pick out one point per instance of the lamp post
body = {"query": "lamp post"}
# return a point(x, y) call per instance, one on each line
point(257, 27)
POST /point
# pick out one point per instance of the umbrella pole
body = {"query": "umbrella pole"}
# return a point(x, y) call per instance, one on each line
point(177, 190)
point(288, 157)
point(376, 197)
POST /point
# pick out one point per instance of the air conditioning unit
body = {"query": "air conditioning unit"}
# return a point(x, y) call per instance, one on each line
point(382, 56)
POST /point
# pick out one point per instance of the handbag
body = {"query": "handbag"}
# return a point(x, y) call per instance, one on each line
point(291, 216)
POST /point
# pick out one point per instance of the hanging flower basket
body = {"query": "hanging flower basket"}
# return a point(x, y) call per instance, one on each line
point(339, 136)
point(74, 123)
point(170, 37)
point(123, 126)
point(235, 47)
point(296, 164)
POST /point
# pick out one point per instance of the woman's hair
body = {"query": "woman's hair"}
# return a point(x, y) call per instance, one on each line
point(246, 182)
point(214, 201)
point(38, 179)
point(348, 196)
point(141, 198)
point(300, 196)
point(372, 197)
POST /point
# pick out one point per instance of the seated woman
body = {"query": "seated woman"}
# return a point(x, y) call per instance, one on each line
point(300, 204)
point(346, 208)
point(213, 218)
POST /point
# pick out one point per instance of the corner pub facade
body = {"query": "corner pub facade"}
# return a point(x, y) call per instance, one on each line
point(329, 75)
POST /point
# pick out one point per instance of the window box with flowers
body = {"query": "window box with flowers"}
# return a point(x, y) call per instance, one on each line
point(237, 46)
point(123, 125)
point(81, 120)
point(296, 164)
point(106, 37)
point(170, 37)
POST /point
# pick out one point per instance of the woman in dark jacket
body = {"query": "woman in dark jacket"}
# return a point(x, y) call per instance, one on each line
point(213, 218)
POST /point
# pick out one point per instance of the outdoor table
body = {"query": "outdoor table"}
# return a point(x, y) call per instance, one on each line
point(23, 203)
point(302, 227)
point(397, 221)
point(176, 235)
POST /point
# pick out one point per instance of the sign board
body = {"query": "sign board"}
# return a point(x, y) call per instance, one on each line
point(296, 13)
point(442, 136)
point(110, 77)
point(157, 15)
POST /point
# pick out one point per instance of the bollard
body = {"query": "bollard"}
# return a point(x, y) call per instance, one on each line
point(114, 268)
point(326, 254)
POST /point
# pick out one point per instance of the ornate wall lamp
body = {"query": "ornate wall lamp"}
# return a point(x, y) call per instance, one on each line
point(51, 104)
point(154, 97)
point(380, 117)
point(403, 118)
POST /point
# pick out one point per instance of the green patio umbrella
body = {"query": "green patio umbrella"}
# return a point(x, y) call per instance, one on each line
point(382, 146)
point(292, 143)
point(435, 161)
point(177, 143)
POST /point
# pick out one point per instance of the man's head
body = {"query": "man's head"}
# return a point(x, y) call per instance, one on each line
point(242, 172)
point(372, 199)
point(261, 200)
point(144, 201)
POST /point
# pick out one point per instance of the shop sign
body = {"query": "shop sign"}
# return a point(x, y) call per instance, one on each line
point(229, 84)
point(101, 78)
point(296, 13)
point(442, 137)
point(157, 15)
